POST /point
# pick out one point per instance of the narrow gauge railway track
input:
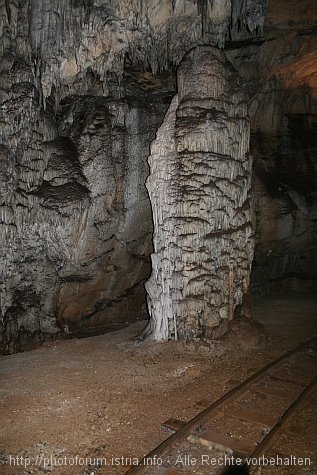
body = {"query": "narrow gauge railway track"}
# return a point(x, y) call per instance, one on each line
point(242, 423)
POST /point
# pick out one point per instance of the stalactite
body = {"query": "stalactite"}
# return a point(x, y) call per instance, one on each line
point(69, 38)
point(51, 49)
point(199, 188)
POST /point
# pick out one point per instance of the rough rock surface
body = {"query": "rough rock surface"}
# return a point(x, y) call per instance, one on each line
point(75, 219)
point(279, 75)
point(70, 38)
point(199, 187)
point(79, 108)
point(77, 225)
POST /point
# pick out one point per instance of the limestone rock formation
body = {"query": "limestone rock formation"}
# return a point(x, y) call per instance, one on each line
point(199, 187)
point(76, 223)
point(279, 75)
point(84, 87)
point(80, 107)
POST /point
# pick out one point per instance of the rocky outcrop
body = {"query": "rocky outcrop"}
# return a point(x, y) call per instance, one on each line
point(199, 187)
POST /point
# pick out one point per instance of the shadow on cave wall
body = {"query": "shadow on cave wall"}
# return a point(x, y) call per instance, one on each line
point(285, 207)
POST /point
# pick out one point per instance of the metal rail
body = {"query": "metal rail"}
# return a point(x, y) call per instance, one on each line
point(178, 437)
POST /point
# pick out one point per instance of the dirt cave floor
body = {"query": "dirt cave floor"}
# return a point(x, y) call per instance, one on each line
point(107, 396)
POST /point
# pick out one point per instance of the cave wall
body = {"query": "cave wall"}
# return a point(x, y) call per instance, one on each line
point(84, 87)
point(76, 219)
point(280, 75)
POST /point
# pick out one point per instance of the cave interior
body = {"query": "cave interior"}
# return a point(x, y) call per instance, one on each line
point(158, 166)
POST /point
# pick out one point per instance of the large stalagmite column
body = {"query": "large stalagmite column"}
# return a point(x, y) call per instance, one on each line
point(199, 187)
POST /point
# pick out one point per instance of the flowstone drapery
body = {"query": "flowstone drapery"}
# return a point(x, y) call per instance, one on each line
point(199, 187)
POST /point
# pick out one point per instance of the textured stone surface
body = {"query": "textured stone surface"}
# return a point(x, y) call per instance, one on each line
point(279, 75)
point(78, 115)
point(70, 38)
point(199, 186)
point(79, 107)
point(77, 224)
